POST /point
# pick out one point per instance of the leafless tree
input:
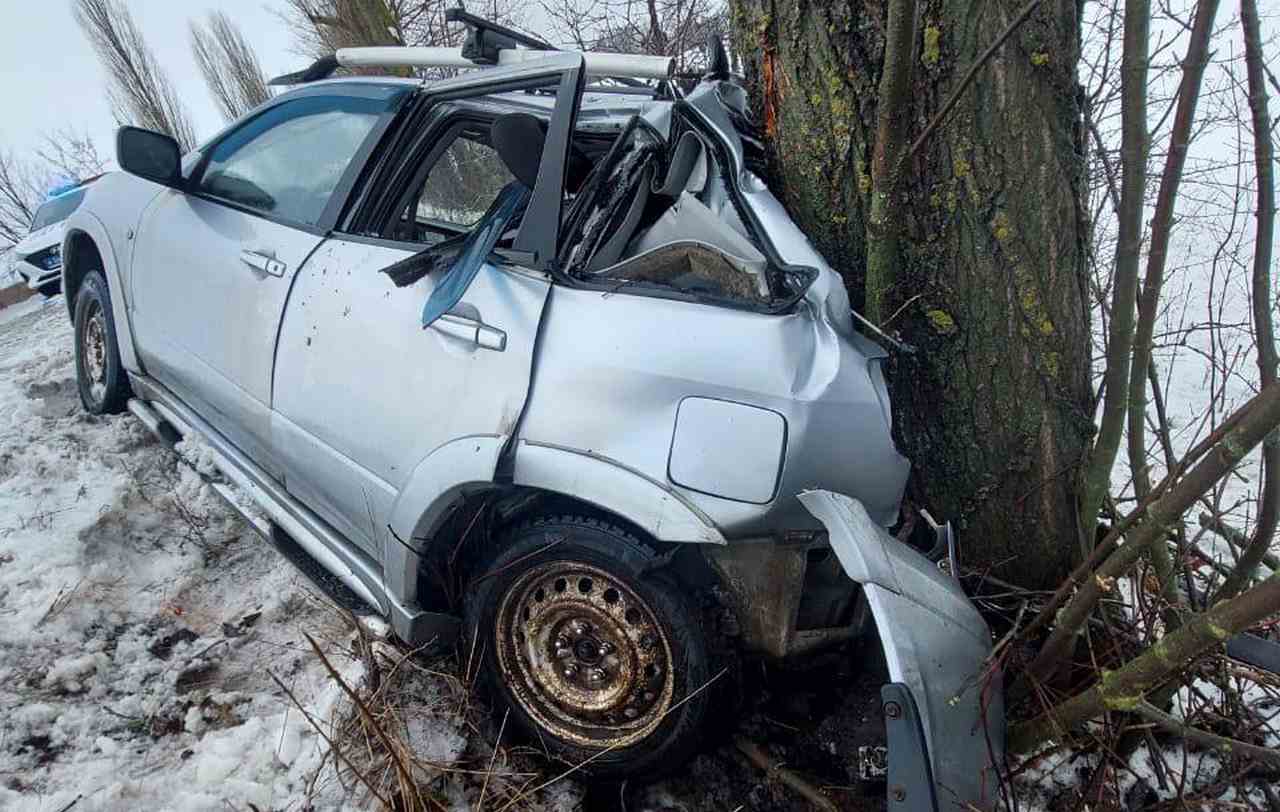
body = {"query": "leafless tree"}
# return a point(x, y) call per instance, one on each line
point(231, 70)
point(323, 26)
point(138, 88)
point(676, 28)
point(70, 154)
point(20, 194)
point(64, 156)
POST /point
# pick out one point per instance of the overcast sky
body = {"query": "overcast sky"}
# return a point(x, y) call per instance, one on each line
point(49, 75)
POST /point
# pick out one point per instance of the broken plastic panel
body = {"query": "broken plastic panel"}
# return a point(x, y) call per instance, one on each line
point(465, 253)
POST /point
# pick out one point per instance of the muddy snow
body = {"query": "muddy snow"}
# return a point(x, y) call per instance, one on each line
point(141, 622)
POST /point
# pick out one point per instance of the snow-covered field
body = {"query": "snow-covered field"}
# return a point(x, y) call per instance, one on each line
point(138, 617)
point(141, 622)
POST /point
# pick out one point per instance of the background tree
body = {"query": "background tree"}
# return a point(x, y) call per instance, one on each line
point(230, 67)
point(64, 156)
point(138, 88)
point(969, 244)
point(675, 28)
point(323, 26)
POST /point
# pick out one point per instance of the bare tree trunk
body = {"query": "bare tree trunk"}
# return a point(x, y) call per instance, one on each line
point(988, 278)
point(1133, 158)
point(893, 111)
point(1264, 331)
point(1161, 224)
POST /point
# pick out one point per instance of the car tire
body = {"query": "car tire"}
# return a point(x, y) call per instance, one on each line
point(595, 654)
point(50, 289)
point(103, 383)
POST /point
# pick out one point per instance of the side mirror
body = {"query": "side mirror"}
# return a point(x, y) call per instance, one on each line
point(151, 155)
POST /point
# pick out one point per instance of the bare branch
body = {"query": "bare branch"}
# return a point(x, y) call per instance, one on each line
point(231, 70)
point(1264, 330)
point(138, 88)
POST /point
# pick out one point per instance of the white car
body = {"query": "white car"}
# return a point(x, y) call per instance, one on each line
point(38, 257)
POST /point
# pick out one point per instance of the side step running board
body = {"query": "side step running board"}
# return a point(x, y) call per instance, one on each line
point(160, 418)
point(284, 521)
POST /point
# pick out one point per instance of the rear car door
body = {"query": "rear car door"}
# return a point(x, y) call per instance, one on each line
point(213, 264)
point(364, 392)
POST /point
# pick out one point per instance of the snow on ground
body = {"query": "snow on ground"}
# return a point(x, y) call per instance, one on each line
point(140, 620)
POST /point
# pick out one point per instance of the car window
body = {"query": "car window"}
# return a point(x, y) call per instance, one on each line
point(462, 183)
point(56, 210)
point(288, 161)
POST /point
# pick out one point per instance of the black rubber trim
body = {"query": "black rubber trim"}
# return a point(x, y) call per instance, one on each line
point(910, 773)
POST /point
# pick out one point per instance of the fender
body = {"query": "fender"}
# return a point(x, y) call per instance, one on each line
point(446, 474)
point(936, 646)
point(439, 481)
point(656, 507)
point(83, 224)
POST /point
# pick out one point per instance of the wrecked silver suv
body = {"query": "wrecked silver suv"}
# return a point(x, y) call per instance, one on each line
point(532, 351)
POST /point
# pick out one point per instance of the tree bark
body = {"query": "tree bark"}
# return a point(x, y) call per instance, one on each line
point(988, 278)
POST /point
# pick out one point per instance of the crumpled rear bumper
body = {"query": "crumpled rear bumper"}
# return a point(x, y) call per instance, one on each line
point(945, 722)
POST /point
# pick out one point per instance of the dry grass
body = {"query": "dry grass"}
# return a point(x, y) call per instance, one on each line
point(413, 738)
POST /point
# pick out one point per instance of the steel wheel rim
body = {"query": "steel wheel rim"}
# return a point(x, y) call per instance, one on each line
point(583, 655)
point(93, 351)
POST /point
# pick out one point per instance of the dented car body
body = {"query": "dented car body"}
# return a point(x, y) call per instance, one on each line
point(392, 307)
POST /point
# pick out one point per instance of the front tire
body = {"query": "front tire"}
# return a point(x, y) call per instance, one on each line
point(103, 384)
point(598, 657)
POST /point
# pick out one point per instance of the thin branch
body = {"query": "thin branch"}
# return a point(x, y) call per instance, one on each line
point(1220, 743)
point(969, 76)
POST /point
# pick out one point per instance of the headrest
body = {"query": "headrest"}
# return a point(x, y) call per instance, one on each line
point(518, 138)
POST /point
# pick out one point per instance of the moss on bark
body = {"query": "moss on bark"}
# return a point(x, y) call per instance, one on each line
point(989, 284)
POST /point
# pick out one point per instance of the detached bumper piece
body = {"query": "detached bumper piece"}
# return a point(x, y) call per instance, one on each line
point(944, 720)
point(910, 775)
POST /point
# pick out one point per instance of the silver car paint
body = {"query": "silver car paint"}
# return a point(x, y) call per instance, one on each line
point(349, 330)
point(613, 368)
point(935, 642)
point(205, 321)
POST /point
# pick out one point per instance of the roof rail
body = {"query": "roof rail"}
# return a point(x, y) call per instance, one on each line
point(488, 44)
point(633, 66)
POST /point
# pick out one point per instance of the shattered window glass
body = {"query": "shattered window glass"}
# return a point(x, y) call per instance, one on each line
point(462, 184)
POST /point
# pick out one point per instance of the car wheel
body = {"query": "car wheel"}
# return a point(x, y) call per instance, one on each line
point(104, 386)
point(598, 657)
point(50, 289)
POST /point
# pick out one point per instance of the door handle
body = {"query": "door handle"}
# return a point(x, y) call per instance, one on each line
point(262, 262)
point(471, 330)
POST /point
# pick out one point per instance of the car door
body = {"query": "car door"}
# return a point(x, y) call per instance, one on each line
point(213, 264)
point(364, 393)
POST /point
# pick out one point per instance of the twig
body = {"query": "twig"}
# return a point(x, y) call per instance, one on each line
point(765, 762)
point(405, 776)
point(74, 801)
point(484, 788)
point(333, 746)
point(1221, 743)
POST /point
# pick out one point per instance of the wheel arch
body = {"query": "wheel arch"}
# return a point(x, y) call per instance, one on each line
point(86, 247)
point(549, 478)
